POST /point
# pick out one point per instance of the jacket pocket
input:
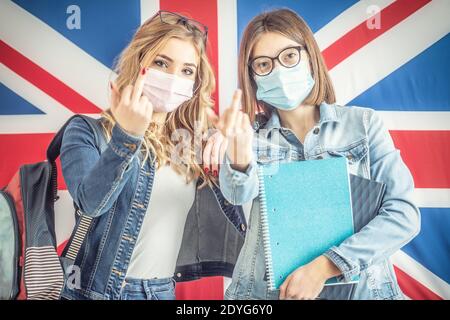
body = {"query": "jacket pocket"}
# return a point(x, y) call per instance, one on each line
point(381, 284)
point(272, 154)
point(354, 152)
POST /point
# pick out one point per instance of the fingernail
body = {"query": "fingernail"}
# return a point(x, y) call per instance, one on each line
point(206, 170)
point(215, 173)
point(143, 71)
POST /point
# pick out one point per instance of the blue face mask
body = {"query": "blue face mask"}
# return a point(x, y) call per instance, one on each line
point(285, 88)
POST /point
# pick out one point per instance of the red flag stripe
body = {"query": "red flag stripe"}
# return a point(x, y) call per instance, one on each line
point(46, 82)
point(209, 288)
point(414, 289)
point(361, 35)
point(20, 149)
point(427, 155)
point(208, 16)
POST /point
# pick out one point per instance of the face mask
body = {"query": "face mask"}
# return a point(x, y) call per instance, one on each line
point(285, 88)
point(167, 91)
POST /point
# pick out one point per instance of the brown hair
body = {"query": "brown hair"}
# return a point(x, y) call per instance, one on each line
point(145, 45)
point(291, 25)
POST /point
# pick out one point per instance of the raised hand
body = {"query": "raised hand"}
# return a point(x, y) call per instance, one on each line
point(132, 110)
point(236, 128)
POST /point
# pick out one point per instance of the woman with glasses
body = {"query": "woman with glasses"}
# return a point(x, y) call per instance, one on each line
point(148, 215)
point(288, 97)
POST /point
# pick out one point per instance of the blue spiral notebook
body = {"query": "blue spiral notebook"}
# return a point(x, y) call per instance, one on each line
point(306, 209)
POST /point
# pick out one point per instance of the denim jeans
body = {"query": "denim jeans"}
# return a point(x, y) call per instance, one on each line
point(148, 289)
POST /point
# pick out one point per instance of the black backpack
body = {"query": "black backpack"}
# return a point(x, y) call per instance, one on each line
point(29, 264)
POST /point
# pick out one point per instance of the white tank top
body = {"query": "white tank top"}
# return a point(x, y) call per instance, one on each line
point(159, 241)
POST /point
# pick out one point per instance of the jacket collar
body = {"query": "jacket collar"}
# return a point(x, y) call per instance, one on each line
point(328, 113)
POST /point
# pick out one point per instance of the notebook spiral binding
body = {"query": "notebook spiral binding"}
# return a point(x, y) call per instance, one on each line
point(265, 230)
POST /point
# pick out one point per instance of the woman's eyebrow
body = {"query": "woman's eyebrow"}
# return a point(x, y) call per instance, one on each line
point(165, 57)
point(280, 51)
point(191, 65)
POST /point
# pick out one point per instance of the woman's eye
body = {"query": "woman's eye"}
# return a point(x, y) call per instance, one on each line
point(262, 65)
point(291, 56)
point(161, 64)
point(188, 72)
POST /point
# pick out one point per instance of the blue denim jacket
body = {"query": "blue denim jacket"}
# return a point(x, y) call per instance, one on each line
point(359, 135)
point(109, 185)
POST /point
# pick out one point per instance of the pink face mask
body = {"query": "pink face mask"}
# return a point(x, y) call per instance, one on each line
point(167, 91)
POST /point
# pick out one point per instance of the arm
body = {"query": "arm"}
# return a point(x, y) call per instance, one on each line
point(398, 220)
point(238, 175)
point(238, 187)
point(94, 181)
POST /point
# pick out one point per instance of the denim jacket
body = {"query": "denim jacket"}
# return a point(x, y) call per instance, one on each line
point(359, 135)
point(111, 187)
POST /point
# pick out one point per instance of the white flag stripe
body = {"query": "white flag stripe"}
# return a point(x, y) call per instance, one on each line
point(416, 120)
point(432, 198)
point(50, 122)
point(228, 51)
point(54, 53)
point(347, 21)
point(55, 115)
point(148, 9)
point(415, 270)
point(374, 62)
point(226, 283)
point(64, 216)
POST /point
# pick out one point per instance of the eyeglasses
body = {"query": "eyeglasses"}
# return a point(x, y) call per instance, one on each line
point(174, 18)
point(289, 58)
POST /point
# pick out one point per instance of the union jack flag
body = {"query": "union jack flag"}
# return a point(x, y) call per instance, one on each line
point(392, 55)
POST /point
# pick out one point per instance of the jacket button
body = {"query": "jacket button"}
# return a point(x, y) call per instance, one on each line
point(179, 275)
point(316, 131)
point(140, 205)
point(127, 238)
point(243, 227)
point(225, 202)
point(117, 272)
point(130, 146)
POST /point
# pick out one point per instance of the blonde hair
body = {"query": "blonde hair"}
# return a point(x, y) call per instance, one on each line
point(292, 26)
point(157, 145)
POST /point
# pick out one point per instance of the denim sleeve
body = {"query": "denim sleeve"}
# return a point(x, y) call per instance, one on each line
point(398, 220)
point(94, 181)
point(236, 186)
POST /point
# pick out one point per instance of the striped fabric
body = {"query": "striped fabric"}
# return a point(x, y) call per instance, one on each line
point(80, 234)
point(43, 274)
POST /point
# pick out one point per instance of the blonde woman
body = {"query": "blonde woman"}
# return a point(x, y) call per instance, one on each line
point(284, 78)
point(150, 214)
